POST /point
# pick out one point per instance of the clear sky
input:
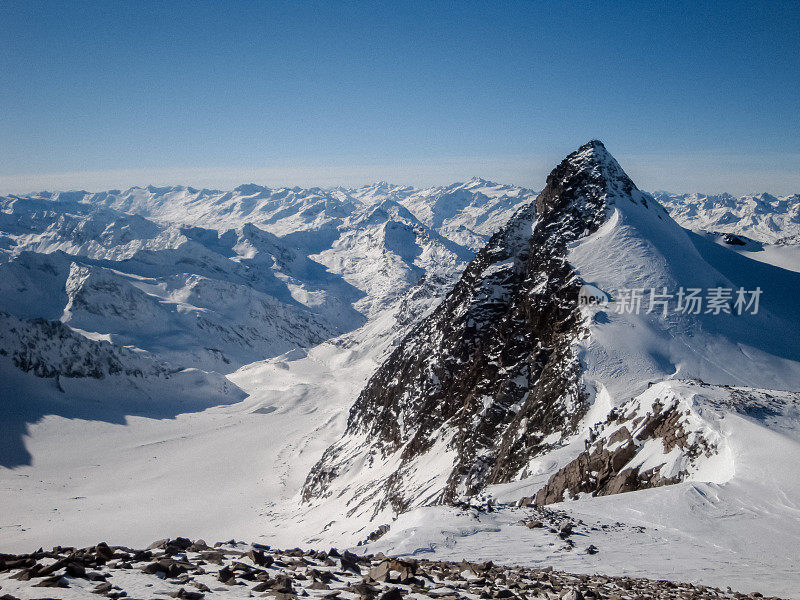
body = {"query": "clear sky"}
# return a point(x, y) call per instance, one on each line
point(689, 96)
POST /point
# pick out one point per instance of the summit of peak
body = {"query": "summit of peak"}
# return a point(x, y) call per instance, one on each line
point(248, 189)
point(591, 173)
point(593, 155)
point(595, 144)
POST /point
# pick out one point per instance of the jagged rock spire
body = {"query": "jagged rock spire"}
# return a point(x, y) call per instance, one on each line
point(590, 171)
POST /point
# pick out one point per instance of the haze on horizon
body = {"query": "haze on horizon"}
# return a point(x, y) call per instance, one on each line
point(692, 97)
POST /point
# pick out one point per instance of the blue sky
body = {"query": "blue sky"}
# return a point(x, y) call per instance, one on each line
point(689, 97)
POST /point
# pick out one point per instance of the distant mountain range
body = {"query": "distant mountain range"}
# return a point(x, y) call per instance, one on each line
point(762, 217)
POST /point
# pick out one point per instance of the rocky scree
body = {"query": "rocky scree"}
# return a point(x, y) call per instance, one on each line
point(181, 568)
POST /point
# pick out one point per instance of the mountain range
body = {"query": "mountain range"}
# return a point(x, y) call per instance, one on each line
point(411, 370)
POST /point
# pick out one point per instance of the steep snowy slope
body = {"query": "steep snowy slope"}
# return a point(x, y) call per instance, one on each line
point(640, 252)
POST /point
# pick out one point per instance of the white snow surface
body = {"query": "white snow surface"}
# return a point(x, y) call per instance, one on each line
point(641, 248)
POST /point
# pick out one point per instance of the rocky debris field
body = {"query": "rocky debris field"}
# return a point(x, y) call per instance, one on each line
point(181, 568)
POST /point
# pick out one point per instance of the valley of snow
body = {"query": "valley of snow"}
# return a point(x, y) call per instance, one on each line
point(262, 292)
point(235, 330)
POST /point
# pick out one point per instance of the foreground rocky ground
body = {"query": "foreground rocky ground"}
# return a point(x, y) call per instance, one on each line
point(180, 568)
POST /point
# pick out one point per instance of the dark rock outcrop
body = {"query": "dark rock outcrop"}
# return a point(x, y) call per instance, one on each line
point(608, 467)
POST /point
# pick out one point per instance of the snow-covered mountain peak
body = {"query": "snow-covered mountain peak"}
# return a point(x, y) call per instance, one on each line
point(511, 368)
point(379, 191)
point(251, 189)
point(489, 379)
point(476, 183)
point(592, 176)
point(385, 209)
point(593, 156)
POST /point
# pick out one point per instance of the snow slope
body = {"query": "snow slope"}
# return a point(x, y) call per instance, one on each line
point(785, 254)
point(640, 247)
point(48, 369)
point(736, 524)
point(133, 471)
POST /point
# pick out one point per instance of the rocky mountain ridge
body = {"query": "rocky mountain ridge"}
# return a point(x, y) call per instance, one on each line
point(504, 372)
point(490, 379)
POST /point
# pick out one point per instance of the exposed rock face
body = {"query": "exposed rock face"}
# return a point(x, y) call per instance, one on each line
point(480, 384)
point(75, 365)
point(51, 349)
point(650, 441)
point(196, 572)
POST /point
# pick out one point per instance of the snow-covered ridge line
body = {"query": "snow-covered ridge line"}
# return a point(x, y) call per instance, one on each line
point(466, 212)
point(763, 217)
